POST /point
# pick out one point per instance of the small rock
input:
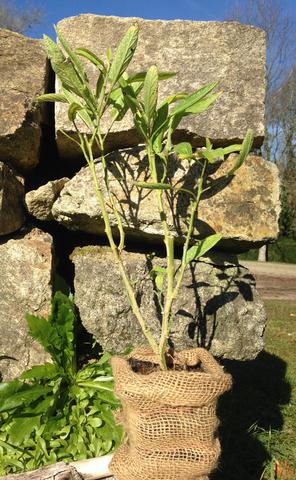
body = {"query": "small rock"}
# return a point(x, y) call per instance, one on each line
point(39, 202)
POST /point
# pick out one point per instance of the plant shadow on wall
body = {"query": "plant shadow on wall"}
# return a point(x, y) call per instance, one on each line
point(253, 406)
point(137, 205)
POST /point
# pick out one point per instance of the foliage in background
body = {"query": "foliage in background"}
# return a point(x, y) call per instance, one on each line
point(283, 250)
point(19, 20)
point(117, 92)
point(280, 134)
point(55, 412)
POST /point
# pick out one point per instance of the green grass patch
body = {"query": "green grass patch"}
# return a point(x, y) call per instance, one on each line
point(259, 415)
point(284, 250)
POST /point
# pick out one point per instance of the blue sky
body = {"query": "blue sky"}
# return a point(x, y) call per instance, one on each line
point(55, 10)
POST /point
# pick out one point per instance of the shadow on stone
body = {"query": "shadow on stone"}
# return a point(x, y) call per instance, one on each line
point(259, 390)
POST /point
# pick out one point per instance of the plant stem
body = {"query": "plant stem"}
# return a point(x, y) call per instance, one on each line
point(194, 209)
point(169, 244)
point(115, 251)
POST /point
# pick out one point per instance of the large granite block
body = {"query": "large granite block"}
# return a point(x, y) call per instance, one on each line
point(201, 52)
point(218, 306)
point(244, 209)
point(24, 76)
point(25, 287)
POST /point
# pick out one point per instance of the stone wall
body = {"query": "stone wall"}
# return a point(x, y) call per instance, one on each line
point(48, 208)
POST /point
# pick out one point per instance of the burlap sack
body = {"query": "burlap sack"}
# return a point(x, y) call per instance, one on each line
point(169, 417)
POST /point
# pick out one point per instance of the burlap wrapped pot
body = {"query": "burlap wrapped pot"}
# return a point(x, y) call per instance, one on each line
point(169, 416)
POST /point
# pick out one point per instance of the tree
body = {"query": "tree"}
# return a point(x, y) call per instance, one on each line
point(279, 144)
point(19, 20)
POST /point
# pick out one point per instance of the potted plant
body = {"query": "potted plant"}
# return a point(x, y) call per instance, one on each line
point(168, 397)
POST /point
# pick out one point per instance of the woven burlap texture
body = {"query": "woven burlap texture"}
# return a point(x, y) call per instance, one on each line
point(169, 417)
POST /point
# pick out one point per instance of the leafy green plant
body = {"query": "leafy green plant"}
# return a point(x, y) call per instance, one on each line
point(117, 92)
point(55, 412)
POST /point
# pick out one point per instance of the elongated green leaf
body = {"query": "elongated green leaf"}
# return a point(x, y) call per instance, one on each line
point(77, 64)
point(161, 123)
point(124, 54)
point(201, 105)
point(245, 149)
point(38, 372)
point(94, 59)
point(183, 150)
point(150, 93)
point(53, 51)
point(52, 97)
point(153, 186)
point(140, 76)
point(42, 331)
point(192, 99)
point(202, 247)
point(63, 67)
point(232, 148)
point(24, 397)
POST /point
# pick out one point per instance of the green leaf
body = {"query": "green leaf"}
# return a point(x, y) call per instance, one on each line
point(153, 186)
point(83, 114)
point(9, 389)
point(84, 52)
point(104, 358)
point(99, 85)
point(245, 149)
point(52, 97)
point(72, 111)
point(42, 331)
point(140, 76)
point(53, 51)
point(46, 371)
point(183, 150)
point(192, 99)
point(124, 54)
point(63, 67)
point(22, 428)
point(151, 93)
point(109, 54)
point(201, 105)
point(95, 422)
point(77, 64)
point(24, 397)
point(232, 148)
point(202, 247)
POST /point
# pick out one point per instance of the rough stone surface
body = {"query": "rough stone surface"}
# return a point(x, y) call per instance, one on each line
point(25, 287)
point(39, 202)
point(12, 212)
point(218, 306)
point(24, 76)
point(202, 52)
point(245, 211)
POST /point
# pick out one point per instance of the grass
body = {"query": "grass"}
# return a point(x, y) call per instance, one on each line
point(284, 250)
point(258, 433)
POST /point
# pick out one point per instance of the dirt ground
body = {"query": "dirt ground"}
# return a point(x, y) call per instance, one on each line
point(274, 280)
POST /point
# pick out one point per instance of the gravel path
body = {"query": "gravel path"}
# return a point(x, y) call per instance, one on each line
point(274, 280)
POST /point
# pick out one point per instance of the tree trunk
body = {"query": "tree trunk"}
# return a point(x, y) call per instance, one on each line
point(92, 469)
point(263, 253)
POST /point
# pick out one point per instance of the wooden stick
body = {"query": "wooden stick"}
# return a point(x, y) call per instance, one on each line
point(92, 469)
